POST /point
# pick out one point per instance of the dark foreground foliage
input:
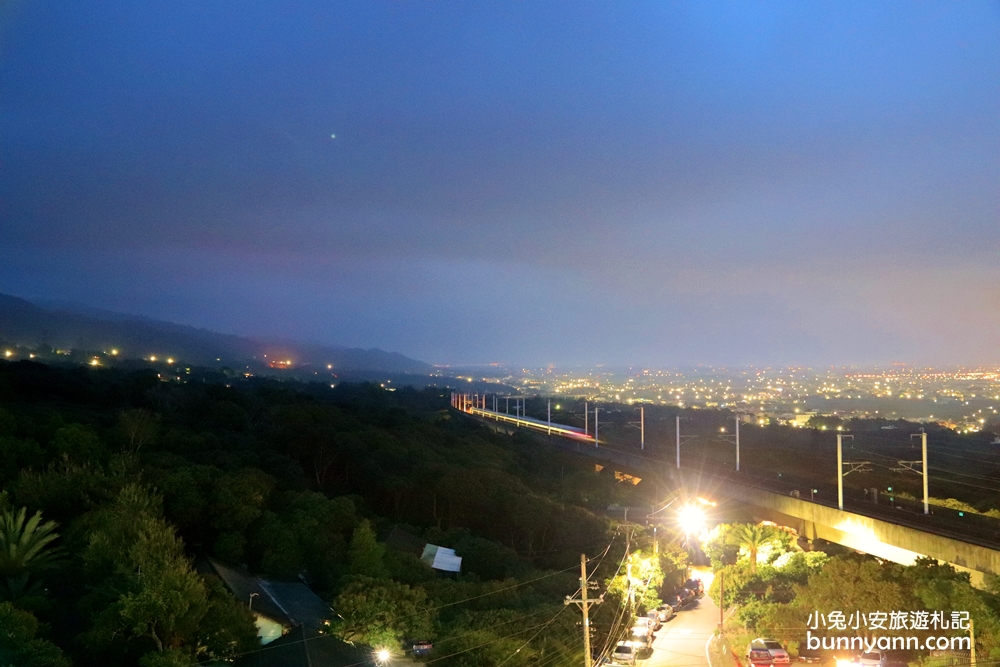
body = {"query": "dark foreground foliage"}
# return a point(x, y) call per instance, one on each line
point(143, 475)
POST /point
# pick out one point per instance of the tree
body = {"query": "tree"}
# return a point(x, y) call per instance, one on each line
point(149, 583)
point(311, 534)
point(365, 555)
point(139, 428)
point(853, 583)
point(940, 586)
point(381, 612)
point(227, 629)
point(25, 550)
point(719, 546)
point(79, 443)
point(753, 537)
point(238, 501)
point(18, 644)
point(145, 588)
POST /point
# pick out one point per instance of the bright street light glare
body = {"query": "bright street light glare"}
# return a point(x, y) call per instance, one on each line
point(691, 518)
point(382, 655)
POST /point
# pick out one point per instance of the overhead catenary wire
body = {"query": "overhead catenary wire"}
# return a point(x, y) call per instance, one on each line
point(456, 602)
point(937, 469)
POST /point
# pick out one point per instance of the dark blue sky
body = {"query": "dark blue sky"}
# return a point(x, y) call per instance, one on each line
point(529, 182)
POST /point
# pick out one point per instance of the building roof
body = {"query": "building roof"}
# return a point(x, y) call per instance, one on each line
point(401, 540)
point(299, 603)
point(290, 604)
point(304, 647)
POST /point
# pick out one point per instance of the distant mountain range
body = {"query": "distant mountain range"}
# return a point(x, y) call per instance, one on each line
point(68, 326)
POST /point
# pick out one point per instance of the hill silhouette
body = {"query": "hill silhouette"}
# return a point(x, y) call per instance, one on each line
point(61, 325)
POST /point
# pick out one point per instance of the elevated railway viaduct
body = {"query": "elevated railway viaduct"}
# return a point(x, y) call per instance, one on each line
point(881, 531)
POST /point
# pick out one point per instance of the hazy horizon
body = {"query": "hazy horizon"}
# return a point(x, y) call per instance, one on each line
point(656, 184)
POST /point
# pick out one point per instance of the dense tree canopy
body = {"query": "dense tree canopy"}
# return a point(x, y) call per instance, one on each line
point(144, 476)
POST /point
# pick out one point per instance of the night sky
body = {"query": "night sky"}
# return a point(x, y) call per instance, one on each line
point(658, 183)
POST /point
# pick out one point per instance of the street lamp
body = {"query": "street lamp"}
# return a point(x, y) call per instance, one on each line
point(691, 518)
point(382, 655)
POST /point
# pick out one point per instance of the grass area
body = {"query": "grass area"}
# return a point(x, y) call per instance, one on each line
point(720, 653)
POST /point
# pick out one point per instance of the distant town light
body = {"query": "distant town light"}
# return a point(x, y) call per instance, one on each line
point(170, 360)
point(153, 358)
point(95, 362)
point(114, 352)
point(8, 354)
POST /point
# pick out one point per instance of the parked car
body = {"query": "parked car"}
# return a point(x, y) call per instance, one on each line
point(675, 601)
point(642, 641)
point(873, 659)
point(686, 595)
point(776, 653)
point(665, 612)
point(422, 647)
point(696, 586)
point(654, 616)
point(624, 653)
point(812, 655)
point(642, 626)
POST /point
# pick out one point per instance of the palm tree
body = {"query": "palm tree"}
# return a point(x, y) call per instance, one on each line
point(25, 550)
point(752, 537)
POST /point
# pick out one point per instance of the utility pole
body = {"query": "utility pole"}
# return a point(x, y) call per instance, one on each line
point(855, 467)
point(550, 417)
point(631, 589)
point(585, 608)
point(737, 443)
point(923, 447)
point(906, 465)
point(678, 439)
point(596, 431)
point(972, 644)
point(641, 425)
point(840, 471)
point(735, 439)
point(586, 418)
point(722, 598)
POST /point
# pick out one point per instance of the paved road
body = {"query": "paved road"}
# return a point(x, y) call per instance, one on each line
point(681, 641)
